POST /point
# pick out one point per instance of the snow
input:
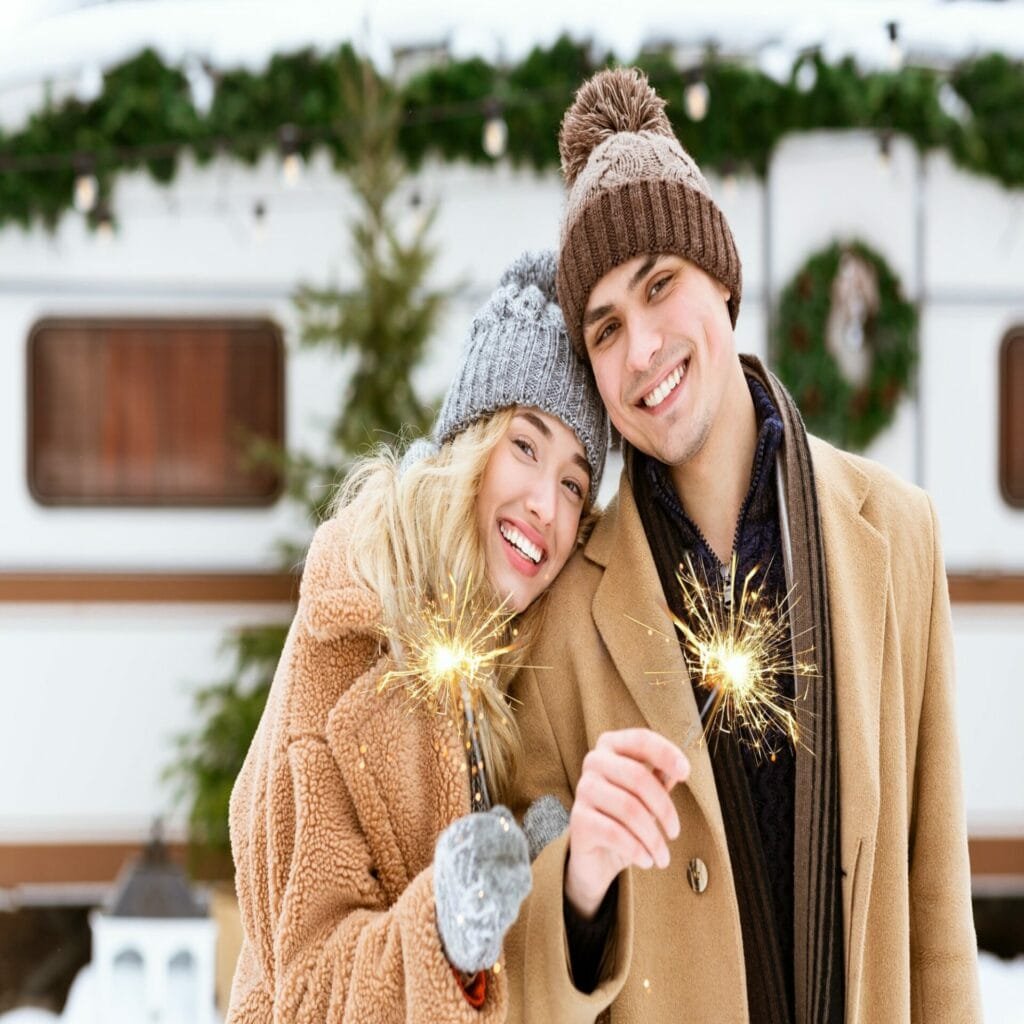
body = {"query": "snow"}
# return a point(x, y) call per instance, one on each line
point(1002, 989)
point(1002, 992)
point(245, 33)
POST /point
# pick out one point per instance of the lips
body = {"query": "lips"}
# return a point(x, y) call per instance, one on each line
point(667, 386)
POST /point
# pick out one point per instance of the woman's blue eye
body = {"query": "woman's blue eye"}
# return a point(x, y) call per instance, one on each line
point(523, 445)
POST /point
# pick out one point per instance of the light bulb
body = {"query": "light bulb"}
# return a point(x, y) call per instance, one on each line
point(495, 137)
point(697, 98)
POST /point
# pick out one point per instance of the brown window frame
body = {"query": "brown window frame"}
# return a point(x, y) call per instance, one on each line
point(46, 498)
point(1013, 337)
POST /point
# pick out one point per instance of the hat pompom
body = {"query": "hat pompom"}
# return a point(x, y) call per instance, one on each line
point(536, 269)
point(612, 101)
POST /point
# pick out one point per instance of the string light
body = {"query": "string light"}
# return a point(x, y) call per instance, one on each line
point(87, 188)
point(104, 221)
point(291, 159)
point(495, 136)
point(895, 49)
point(696, 99)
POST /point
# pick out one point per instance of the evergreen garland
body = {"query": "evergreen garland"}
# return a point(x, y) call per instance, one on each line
point(832, 406)
point(145, 116)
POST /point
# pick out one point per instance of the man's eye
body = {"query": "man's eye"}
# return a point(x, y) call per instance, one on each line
point(606, 332)
point(658, 285)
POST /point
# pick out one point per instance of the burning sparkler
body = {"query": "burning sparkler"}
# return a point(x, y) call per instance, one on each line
point(449, 653)
point(738, 646)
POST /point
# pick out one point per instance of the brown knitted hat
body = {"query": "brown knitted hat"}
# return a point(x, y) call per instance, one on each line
point(633, 190)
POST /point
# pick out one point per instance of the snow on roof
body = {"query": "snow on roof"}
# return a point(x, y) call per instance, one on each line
point(230, 33)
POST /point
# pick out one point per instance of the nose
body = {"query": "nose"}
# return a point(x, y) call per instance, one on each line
point(542, 498)
point(644, 343)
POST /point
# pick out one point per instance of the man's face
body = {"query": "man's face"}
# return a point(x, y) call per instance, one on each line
point(659, 338)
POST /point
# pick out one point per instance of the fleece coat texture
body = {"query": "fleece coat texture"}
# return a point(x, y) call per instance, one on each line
point(676, 953)
point(334, 820)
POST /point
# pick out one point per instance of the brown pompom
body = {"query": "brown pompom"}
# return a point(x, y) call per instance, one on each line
point(615, 100)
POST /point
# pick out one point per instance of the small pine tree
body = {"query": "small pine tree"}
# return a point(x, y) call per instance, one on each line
point(386, 320)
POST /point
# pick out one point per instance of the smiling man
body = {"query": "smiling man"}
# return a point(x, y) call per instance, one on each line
point(744, 879)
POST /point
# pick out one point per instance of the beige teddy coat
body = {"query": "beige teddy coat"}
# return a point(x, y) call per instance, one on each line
point(334, 819)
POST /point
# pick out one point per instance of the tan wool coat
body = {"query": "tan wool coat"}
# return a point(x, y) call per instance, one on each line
point(334, 819)
point(677, 954)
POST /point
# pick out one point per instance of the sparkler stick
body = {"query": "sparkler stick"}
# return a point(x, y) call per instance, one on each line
point(450, 650)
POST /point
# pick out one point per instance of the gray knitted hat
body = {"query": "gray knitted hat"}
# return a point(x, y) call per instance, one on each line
point(518, 353)
point(633, 190)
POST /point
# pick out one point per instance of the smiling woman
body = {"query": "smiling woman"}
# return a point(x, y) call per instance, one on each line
point(536, 482)
point(363, 878)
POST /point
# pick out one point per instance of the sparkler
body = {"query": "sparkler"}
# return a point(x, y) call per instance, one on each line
point(450, 650)
point(738, 646)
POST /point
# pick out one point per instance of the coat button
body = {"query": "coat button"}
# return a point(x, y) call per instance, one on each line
point(697, 875)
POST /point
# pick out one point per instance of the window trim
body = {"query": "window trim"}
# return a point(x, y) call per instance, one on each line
point(1014, 336)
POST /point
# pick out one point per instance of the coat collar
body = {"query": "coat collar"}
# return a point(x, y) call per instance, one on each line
point(632, 617)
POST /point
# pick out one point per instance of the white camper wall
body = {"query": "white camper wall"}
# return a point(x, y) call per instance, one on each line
point(99, 693)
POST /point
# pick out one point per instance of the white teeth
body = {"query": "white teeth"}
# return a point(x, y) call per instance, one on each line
point(664, 389)
point(515, 538)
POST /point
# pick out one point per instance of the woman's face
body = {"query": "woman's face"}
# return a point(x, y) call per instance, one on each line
point(533, 492)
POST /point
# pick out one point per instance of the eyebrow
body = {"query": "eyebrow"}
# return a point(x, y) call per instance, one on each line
point(532, 417)
point(645, 268)
point(535, 420)
point(583, 464)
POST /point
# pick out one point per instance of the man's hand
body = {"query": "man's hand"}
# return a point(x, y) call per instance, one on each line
point(622, 813)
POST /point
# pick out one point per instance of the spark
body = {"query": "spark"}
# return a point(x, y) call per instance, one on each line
point(737, 646)
point(447, 655)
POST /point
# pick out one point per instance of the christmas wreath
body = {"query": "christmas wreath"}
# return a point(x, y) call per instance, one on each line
point(845, 343)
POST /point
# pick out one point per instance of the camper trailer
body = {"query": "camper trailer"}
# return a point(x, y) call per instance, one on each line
point(134, 542)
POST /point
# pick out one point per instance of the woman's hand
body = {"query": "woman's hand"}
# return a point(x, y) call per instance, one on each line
point(481, 876)
point(622, 814)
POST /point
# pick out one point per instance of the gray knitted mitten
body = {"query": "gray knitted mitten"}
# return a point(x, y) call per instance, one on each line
point(545, 820)
point(481, 876)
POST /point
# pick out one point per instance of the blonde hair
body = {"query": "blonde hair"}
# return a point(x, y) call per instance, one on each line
point(413, 530)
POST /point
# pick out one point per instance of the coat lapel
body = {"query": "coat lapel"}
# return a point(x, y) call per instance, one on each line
point(632, 617)
point(857, 567)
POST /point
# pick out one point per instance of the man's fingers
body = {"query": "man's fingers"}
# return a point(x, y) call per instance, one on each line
point(638, 779)
point(657, 752)
point(621, 805)
point(599, 830)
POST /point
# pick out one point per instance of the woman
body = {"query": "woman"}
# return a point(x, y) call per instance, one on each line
point(349, 913)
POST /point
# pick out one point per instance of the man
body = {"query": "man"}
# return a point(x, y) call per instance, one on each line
point(826, 880)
